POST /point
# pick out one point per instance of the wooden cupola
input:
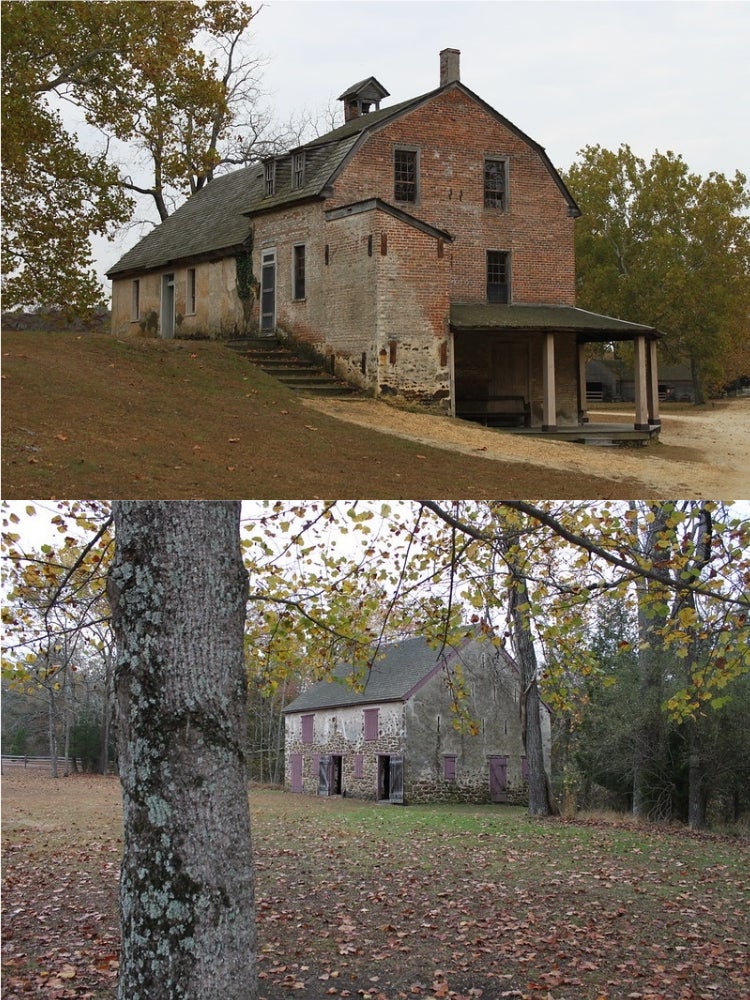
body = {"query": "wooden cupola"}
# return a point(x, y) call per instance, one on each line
point(362, 98)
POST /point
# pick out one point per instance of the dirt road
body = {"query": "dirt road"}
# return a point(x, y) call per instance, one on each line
point(705, 453)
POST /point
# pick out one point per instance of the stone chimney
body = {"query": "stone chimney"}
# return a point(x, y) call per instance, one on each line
point(450, 66)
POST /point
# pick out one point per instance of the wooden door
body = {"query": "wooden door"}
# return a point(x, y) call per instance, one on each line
point(498, 778)
point(296, 772)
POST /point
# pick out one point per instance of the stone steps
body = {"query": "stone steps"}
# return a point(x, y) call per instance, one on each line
point(299, 374)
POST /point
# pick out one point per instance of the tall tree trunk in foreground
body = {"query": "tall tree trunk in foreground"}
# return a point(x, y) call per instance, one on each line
point(178, 589)
point(541, 800)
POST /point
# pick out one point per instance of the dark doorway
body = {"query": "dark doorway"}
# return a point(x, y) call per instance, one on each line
point(390, 778)
point(331, 768)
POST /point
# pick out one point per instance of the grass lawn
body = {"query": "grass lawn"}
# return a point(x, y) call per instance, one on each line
point(91, 416)
point(386, 903)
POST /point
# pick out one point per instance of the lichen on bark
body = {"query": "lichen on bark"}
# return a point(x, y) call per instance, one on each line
point(178, 590)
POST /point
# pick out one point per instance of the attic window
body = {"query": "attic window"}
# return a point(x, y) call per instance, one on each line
point(270, 177)
point(495, 188)
point(298, 169)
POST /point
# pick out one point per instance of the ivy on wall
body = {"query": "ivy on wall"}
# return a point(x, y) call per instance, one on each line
point(246, 280)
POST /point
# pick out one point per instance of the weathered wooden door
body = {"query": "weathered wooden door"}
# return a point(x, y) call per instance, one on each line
point(324, 775)
point(296, 772)
point(391, 778)
point(498, 778)
point(397, 780)
point(268, 293)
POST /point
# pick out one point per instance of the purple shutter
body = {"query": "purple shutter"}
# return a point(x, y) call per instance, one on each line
point(359, 765)
point(397, 779)
point(372, 723)
point(449, 767)
point(307, 728)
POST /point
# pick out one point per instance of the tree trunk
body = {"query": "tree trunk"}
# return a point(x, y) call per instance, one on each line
point(178, 588)
point(649, 725)
point(52, 730)
point(541, 801)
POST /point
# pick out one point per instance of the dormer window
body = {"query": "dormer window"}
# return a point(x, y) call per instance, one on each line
point(298, 169)
point(270, 177)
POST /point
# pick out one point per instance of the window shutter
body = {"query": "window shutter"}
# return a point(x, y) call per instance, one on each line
point(372, 723)
point(308, 722)
point(397, 780)
point(359, 765)
point(449, 767)
point(324, 775)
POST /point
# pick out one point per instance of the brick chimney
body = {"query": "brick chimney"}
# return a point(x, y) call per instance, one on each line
point(450, 66)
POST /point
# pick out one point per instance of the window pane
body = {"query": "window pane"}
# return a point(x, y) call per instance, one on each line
point(405, 175)
point(299, 272)
point(494, 184)
point(497, 276)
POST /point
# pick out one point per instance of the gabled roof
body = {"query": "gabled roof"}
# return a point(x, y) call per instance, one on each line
point(404, 668)
point(369, 88)
point(561, 319)
point(215, 219)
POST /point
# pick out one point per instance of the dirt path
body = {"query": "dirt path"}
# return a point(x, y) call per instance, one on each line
point(701, 454)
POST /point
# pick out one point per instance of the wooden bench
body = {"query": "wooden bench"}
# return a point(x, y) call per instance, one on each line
point(496, 411)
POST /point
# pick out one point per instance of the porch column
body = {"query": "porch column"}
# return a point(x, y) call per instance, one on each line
point(641, 382)
point(582, 401)
point(549, 405)
point(653, 385)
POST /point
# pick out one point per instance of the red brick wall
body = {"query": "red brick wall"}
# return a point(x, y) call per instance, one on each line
point(454, 134)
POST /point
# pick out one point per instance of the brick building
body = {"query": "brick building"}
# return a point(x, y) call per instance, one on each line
point(423, 249)
point(391, 736)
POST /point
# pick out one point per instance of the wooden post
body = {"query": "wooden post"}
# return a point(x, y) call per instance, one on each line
point(549, 405)
point(583, 417)
point(653, 385)
point(641, 411)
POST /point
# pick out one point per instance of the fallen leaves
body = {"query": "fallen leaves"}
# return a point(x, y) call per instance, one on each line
point(453, 903)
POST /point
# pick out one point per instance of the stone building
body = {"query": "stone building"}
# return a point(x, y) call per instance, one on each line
point(390, 735)
point(422, 249)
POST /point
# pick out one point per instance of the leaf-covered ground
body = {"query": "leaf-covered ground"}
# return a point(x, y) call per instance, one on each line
point(386, 903)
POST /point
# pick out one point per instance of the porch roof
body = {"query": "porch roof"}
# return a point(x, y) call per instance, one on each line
point(535, 318)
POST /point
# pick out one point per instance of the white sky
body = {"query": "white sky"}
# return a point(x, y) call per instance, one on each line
point(656, 75)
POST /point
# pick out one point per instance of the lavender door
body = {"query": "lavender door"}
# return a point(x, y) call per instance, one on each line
point(498, 778)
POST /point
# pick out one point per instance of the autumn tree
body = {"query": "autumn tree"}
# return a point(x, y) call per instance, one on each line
point(138, 75)
point(658, 244)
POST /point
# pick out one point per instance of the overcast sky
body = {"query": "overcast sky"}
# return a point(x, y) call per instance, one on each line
point(668, 76)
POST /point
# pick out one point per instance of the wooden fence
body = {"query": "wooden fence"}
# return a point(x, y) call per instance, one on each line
point(35, 763)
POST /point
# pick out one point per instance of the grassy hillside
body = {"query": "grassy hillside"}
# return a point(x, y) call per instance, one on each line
point(87, 415)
